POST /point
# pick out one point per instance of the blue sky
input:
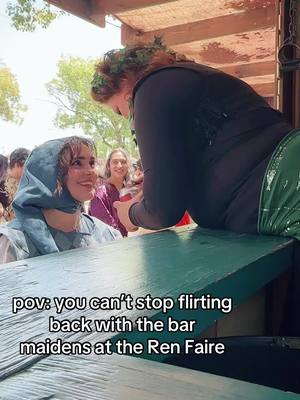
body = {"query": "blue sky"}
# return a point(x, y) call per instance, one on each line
point(32, 58)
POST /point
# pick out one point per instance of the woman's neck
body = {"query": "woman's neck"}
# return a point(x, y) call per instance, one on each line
point(117, 182)
point(62, 221)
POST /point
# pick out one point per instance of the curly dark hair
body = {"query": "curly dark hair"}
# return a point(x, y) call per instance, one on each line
point(69, 152)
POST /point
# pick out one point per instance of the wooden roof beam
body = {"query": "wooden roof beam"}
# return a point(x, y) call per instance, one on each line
point(265, 89)
point(253, 69)
point(257, 19)
point(85, 9)
point(95, 10)
point(121, 6)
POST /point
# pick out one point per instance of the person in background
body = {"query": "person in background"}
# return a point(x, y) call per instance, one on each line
point(4, 196)
point(99, 170)
point(138, 175)
point(16, 163)
point(117, 177)
point(58, 177)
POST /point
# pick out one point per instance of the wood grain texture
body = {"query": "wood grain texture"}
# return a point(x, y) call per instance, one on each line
point(123, 6)
point(252, 69)
point(81, 8)
point(164, 264)
point(205, 29)
point(178, 12)
point(219, 33)
point(121, 377)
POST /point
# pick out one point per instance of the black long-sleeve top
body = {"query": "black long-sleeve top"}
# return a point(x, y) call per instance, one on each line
point(205, 139)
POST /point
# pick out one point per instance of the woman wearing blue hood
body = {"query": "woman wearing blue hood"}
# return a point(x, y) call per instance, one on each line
point(58, 177)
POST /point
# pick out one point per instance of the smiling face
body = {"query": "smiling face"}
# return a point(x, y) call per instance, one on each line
point(118, 165)
point(81, 177)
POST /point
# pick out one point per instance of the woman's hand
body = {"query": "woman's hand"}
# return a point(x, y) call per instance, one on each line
point(123, 211)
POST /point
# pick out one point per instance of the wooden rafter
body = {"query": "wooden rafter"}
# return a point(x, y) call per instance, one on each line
point(81, 8)
point(260, 18)
point(252, 69)
point(265, 89)
point(115, 7)
point(221, 40)
point(94, 11)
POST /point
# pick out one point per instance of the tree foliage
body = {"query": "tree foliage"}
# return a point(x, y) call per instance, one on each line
point(26, 15)
point(76, 109)
point(10, 105)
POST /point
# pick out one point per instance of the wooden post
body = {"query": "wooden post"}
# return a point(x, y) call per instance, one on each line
point(297, 75)
point(286, 78)
point(289, 102)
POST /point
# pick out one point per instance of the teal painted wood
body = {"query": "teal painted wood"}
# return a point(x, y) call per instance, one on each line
point(164, 264)
point(126, 378)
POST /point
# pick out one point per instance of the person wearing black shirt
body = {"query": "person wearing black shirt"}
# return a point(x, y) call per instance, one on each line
point(206, 141)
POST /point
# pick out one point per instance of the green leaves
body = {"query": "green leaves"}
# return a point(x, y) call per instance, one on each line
point(70, 90)
point(130, 58)
point(98, 82)
point(10, 105)
point(26, 15)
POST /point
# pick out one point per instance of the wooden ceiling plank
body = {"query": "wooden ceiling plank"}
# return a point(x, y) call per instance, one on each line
point(206, 29)
point(252, 69)
point(120, 6)
point(265, 89)
point(255, 80)
point(81, 8)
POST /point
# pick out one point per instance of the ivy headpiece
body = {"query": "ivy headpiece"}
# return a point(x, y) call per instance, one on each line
point(130, 57)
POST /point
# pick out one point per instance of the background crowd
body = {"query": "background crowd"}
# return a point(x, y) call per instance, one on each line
point(119, 177)
point(119, 171)
point(11, 169)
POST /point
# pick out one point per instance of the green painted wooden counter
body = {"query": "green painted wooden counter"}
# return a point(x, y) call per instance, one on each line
point(126, 378)
point(168, 263)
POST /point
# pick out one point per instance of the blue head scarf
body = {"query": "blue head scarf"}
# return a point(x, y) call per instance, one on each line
point(37, 191)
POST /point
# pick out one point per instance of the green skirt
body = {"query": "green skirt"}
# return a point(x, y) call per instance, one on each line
point(279, 212)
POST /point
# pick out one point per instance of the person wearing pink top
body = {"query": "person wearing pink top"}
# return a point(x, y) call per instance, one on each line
point(117, 175)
